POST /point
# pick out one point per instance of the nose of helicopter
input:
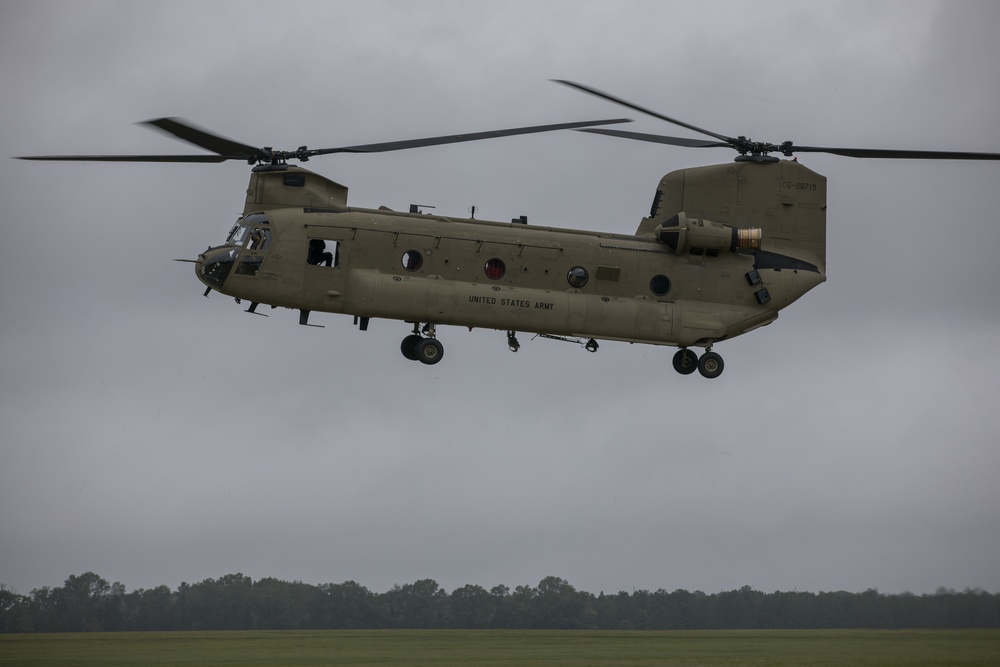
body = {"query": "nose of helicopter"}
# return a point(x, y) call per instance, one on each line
point(213, 265)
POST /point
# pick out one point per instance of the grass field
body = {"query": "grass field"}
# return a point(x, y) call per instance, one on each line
point(484, 647)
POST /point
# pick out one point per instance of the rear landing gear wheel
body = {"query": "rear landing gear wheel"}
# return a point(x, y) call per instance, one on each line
point(685, 361)
point(710, 365)
point(429, 351)
point(409, 346)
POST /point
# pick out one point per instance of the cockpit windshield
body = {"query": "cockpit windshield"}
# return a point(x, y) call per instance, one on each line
point(238, 234)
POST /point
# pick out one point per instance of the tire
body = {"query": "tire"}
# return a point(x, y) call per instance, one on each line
point(685, 361)
point(429, 351)
point(409, 346)
point(710, 365)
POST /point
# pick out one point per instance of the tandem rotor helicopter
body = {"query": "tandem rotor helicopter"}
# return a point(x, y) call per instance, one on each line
point(723, 249)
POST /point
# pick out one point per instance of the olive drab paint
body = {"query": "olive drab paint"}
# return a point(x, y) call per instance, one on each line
point(518, 277)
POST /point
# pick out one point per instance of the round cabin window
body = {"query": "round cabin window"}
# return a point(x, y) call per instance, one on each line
point(577, 277)
point(495, 269)
point(659, 285)
point(412, 260)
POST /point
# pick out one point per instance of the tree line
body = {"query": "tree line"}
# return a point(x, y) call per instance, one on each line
point(88, 602)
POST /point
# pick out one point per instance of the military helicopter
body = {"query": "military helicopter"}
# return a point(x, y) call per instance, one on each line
point(723, 249)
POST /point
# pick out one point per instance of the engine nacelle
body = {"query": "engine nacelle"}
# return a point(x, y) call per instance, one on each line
point(681, 233)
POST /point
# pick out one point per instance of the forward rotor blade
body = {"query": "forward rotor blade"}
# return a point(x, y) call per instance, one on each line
point(133, 158)
point(225, 149)
point(185, 131)
point(660, 138)
point(458, 138)
point(891, 153)
point(649, 112)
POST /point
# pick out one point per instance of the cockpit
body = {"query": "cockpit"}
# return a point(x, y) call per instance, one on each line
point(244, 249)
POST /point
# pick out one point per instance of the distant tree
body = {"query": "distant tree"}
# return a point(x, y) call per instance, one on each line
point(558, 605)
point(87, 603)
point(738, 609)
point(472, 607)
point(218, 604)
point(350, 606)
point(615, 611)
point(279, 605)
point(503, 616)
point(11, 607)
point(422, 604)
point(641, 611)
point(689, 610)
point(153, 609)
point(519, 607)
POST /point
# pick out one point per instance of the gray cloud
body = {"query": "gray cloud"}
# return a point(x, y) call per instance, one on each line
point(154, 436)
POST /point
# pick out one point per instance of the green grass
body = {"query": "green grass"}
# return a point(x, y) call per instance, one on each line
point(489, 648)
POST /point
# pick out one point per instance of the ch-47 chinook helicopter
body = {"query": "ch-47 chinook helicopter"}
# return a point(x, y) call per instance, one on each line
point(724, 248)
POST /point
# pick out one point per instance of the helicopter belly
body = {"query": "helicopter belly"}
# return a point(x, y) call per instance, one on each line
point(570, 313)
point(470, 304)
point(699, 323)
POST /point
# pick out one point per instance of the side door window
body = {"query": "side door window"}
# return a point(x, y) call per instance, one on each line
point(323, 252)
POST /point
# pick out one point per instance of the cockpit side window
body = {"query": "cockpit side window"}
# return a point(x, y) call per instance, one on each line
point(260, 239)
point(256, 243)
point(323, 252)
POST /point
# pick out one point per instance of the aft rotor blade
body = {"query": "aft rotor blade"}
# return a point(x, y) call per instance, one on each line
point(660, 138)
point(891, 153)
point(649, 112)
point(185, 131)
point(458, 138)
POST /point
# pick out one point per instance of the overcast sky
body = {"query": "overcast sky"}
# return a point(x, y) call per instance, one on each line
point(154, 436)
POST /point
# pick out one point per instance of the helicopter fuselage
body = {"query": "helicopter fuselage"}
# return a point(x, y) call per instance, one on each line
point(723, 250)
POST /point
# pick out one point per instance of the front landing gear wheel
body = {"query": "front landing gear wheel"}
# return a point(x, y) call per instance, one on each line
point(685, 361)
point(409, 346)
point(429, 351)
point(710, 365)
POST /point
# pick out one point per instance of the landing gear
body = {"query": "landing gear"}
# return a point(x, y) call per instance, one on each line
point(710, 363)
point(512, 343)
point(430, 351)
point(416, 347)
point(409, 346)
point(685, 361)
